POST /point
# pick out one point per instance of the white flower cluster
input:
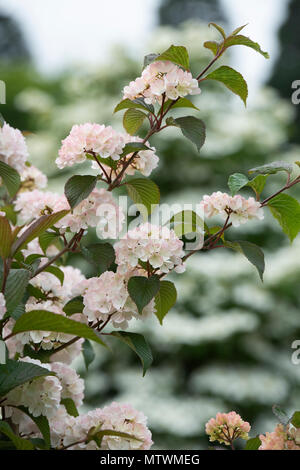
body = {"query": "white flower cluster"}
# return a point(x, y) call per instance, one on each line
point(85, 138)
point(107, 296)
point(13, 149)
point(156, 245)
point(162, 77)
point(33, 178)
point(240, 209)
point(99, 206)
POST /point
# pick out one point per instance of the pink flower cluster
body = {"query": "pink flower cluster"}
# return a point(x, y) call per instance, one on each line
point(282, 438)
point(99, 206)
point(13, 148)
point(240, 209)
point(122, 418)
point(162, 77)
point(157, 245)
point(226, 427)
point(85, 138)
point(107, 296)
point(33, 178)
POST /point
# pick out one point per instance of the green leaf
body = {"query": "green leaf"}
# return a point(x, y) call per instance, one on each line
point(42, 423)
point(132, 120)
point(272, 168)
point(237, 30)
point(5, 237)
point(218, 28)
point(133, 147)
point(97, 435)
point(142, 290)
point(16, 284)
point(144, 191)
point(74, 306)
point(19, 442)
point(15, 373)
point(165, 299)
point(43, 320)
point(253, 444)
point(240, 40)
point(232, 80)
point(137, 103)
point(139, 345)
point(101, 255)
point(70, 406)
point(253, 253)
point(192, 128)
point(78, 188)
point(180, 103)
point(10, 213)
point(18, 311)
point(286, 211)
point(213, 46)
point(56, 272)
point(10, 178)
point(296, 419)
point(88, 353)
point(258, 183)
point(47, 239)
point(236, 182)
point(37, 228)
point(176, 54)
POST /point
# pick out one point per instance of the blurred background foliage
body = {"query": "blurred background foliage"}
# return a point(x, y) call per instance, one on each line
point(227, 343)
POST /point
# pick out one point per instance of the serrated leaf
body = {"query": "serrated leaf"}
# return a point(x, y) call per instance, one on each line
point(253, 444)
point(47, 239)
point(218, 28)
point(132, 147)
point(213, 46)
point(43, 320)
point(258, 183)
point(272, 168)
point(15, 373)
point(56, 272)
point(144, 191)
point(236, 182)
point(10, 178)
point(142, 290)
point(78, 188)
point(253, 253)
point(18, 311)
point(232, 79)
point(5, 237)
point(97, 435)
point(19, 442)
point(10, 213)
point(75, 305)
point(70, 406)
point(88, 353)
point(139, 345)
point(132, 120)
point(101, 255)
point(176, 54)
point(192, 128)
point(17, 281)
point(136, 103)
point(165, 299)
point(36, 229)
point(180, 103)
point(286, 211)
point(240, 40)
point(237, 30)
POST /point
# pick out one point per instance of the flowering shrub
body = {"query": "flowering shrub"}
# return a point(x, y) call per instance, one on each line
point(49, 312)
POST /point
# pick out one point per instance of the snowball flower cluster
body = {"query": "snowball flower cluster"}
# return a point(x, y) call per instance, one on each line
point(13, 149)
point(117, 417)
point(2, 306)
point(282, 438)
point(93, 138)
point(157, 245)
point(33, 178)
point(98, 208)
point(72, 384)
point(226, 427)
point(240, 209)
point(162, 77)
point(107, 296)
point(41, 396)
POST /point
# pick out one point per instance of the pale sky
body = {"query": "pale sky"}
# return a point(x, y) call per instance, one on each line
point(62, 32)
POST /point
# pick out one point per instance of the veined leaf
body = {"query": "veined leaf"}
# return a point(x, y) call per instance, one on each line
point(78, 188)
point(236, 182)
point(253, 253)
point(272, 168)
point(5, 237)
point(232, 79)
point(101, 255)
point(70, 406)
point(19, 442)
point(218, 28)
point(165, 299)
point(142, 290)
point(132, 120)
point(192, 128)
point(16, 284)
point(176, 54)
point(10, 178)
point(286, 211)
point(213, 46)
point(240, 40)
point(74, 306)
point(138, 344)
point(145, 192)
point(137, 103)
